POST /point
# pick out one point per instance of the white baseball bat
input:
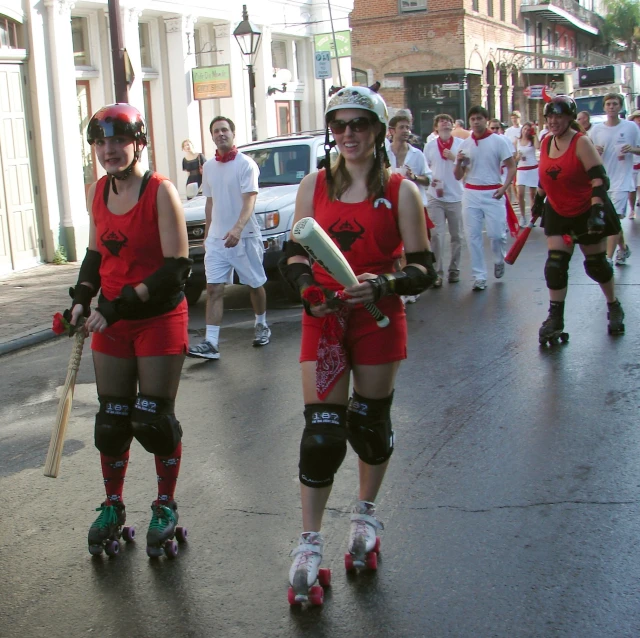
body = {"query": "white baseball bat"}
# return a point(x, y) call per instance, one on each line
point(320, 246)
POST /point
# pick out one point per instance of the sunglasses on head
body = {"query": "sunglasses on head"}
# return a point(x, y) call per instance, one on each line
point(357, 125)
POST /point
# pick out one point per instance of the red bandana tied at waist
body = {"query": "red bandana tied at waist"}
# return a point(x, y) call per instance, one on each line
point(228, 156)
point(486, 133)
point(442, 145)
point(331, 358)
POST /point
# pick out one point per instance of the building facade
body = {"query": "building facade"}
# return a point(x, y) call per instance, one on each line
point(56, 70)
point(442, 56)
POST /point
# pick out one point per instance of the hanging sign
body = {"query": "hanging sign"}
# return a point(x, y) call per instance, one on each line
point(211, 82)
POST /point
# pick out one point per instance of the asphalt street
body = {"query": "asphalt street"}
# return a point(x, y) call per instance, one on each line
point(511, 505)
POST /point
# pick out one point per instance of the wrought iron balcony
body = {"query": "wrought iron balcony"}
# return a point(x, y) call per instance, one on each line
point(568, 12)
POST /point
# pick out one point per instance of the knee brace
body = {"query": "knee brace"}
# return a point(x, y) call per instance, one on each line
point(324, 443)
point(556, 270)
point(155, 425)
point(369, 428)
point(598, 268)
point(113, 432)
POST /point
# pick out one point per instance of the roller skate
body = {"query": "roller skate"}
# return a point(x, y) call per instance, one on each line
point(163, 530)
point(108, 528)
point(552, 329)
point(364, 544)
point(616, 318)
point(305, 571)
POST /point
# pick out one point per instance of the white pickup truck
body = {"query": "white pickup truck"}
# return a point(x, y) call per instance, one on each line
point(283, 162)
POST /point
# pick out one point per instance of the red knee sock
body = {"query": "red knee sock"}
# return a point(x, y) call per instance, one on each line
point(114, 469)
point(168, 468)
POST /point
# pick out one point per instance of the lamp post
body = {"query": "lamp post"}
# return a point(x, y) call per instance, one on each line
point(248, 37)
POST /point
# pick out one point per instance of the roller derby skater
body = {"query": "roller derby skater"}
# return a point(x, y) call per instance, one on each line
point(305, 571)
point(137, 261)
point(108, 529)
point(577, 210)
point(335, 350)
point(364, 543)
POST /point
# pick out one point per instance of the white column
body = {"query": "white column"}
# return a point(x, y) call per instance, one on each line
point(184, 112)
point(67, 148)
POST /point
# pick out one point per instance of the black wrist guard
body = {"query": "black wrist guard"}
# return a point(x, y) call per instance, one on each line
point(596, 222)
point(538, 205)
point(81, 295)
point(128, 304)
point(169, 278)
point(109, 310)
point(599, 191)
point(90, 270)
point(384, 285)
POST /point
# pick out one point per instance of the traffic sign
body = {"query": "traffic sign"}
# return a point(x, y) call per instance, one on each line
point(535, 91)
point(454, 86)
point(323, 65)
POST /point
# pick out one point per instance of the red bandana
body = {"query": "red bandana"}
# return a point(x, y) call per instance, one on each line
point(228, 156)
point(486, 133)
point(442, 145)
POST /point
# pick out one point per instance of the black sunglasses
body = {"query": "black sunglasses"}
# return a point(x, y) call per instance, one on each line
point(357, 125)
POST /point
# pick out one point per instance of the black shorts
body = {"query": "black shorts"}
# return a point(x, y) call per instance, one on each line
point(576, 227)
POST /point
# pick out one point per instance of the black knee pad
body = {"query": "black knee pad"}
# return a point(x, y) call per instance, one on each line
point(556, 270)
point(324, 443)
point(598, 268)
point(113, 432)
point(155, 425)
point(369, 428)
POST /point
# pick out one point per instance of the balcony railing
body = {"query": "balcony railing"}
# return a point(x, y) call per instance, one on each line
point(572, 7)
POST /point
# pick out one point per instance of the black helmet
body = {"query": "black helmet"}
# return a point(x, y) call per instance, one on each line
point(561, 105)
point(117, 119)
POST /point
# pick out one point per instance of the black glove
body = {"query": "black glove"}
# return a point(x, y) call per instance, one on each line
point(81, 295)
point(596, 222)
point(126, 306)
point(538, 205)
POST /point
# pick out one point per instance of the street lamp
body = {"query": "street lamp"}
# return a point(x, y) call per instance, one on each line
point(248, 37)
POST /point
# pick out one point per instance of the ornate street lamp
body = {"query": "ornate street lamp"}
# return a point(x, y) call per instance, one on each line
point(248, 37)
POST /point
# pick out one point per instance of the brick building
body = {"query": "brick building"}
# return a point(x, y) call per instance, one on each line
point(436, 56)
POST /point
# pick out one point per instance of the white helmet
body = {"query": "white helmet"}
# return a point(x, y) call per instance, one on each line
point(358, 97)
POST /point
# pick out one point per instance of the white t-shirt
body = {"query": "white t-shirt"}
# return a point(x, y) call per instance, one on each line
point(416, 161)
point(613, 138)
point(513, 133)
point(225, 183)
point(431, 136)
point(486, 157)
point(443, 171)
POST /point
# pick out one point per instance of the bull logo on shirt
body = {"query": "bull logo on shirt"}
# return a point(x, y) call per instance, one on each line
point(554, 171)
point(345, 234)
point(114, 241)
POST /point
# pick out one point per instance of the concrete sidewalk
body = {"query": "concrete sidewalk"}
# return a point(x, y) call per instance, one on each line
point(28, 301)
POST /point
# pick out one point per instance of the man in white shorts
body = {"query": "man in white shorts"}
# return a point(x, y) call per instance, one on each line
point(634, 196)
point(444, 197)
point(408, 161)
point(617, 141)
point(479, 160)
point(232, 236)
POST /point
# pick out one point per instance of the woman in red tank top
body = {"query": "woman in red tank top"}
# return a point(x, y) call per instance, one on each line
point(577, 211)
point(369, 214)
point(138, 260)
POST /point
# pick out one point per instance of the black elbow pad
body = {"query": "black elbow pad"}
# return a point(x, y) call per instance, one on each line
point(600, 172)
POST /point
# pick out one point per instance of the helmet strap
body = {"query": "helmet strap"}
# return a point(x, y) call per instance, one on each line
point(126, 173)
point(555, 137)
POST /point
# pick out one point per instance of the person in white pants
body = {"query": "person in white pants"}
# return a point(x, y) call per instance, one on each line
point(479, 160)
point(444, 197)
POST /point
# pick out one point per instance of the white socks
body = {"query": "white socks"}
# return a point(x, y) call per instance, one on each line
point(212, 335)
point(261, 319)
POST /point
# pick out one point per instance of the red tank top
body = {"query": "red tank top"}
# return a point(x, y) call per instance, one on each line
point(564, 180)
point(130, 243)
point(368, 237)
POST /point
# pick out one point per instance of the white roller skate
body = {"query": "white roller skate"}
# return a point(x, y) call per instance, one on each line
point(364, 544)
point(305, 571)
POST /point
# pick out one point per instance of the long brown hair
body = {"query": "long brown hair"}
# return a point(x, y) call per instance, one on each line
point(377, 178)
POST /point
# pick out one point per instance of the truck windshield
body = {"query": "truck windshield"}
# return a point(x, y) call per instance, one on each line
point(281, 165)
point(593, 104)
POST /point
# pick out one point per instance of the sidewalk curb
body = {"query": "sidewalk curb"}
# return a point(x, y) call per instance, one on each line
point(27, 340)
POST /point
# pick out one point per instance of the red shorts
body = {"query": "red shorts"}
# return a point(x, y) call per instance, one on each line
point(365, 342)
point(155, 337)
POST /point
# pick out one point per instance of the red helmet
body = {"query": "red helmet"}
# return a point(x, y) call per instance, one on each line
point(117, 119)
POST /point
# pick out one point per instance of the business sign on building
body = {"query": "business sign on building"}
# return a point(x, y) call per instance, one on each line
point(324, 42)
point(535, 91)
point(211, 82)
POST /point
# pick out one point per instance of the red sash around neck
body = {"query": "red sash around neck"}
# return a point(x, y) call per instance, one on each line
point(486, 133)
point(442, 145)
point(228, 156)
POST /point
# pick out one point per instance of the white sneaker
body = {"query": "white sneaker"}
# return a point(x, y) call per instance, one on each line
point(204, 350)
point(262, 335)
point(498, 270)
point(363, 533)
point(621, 256)
point(479, 284)
point(304, 570)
